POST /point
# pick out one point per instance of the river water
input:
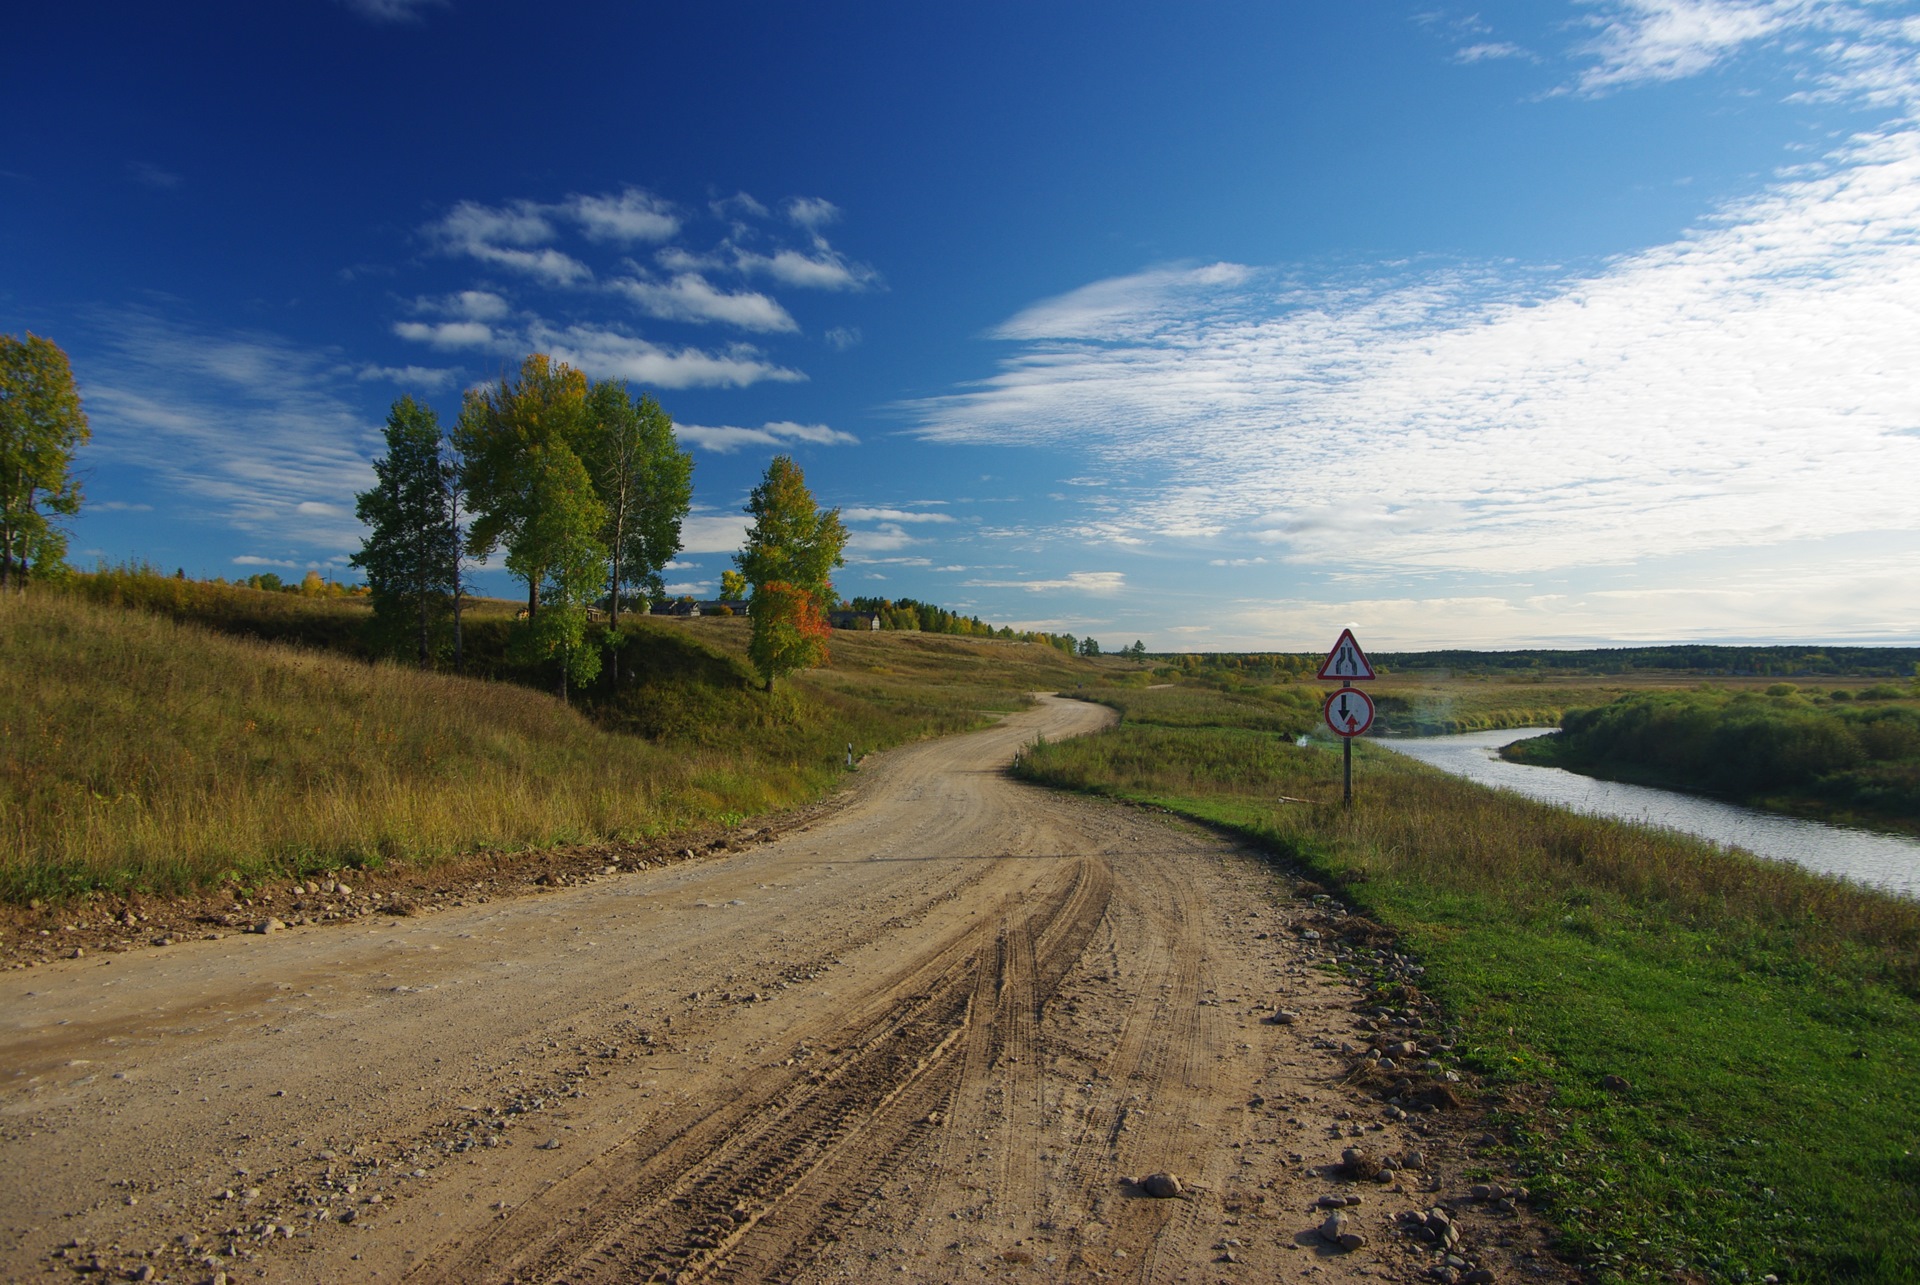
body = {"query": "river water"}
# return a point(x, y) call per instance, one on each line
point(1884, 860)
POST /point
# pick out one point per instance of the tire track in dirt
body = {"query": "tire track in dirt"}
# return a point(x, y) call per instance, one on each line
point(744, 1192)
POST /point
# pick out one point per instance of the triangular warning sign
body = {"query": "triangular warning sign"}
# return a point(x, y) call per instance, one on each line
point(1346, 661)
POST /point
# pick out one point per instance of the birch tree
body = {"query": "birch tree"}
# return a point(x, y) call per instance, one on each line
point(41, 425)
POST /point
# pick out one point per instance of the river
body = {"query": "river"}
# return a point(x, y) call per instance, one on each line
point(1883, 860)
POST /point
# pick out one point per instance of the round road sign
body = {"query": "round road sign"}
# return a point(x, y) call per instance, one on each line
point(1349, 712)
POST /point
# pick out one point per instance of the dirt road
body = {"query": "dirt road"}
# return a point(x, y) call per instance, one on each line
point(932, 1035)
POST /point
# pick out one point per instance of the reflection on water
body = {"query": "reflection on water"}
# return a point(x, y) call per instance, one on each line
point(1889, 861)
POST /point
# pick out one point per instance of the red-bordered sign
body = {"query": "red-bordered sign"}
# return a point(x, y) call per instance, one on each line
point(1346, 662)
point(1348, 712)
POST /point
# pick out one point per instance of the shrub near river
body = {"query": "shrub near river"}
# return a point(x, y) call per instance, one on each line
point(1840, 754)
point(1763, 1019)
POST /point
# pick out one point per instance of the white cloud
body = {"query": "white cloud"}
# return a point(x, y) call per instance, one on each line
point(690, 297)
point(421, 376)
point(713, 533)
point(739, 205)
point(633, 215)
point(727, 439)
point(1703, 394)
point(824, 269)
point(119, 506)
point(811, 212)
point(888, 537)
point(690, 589)
point(893, 515)
point(841, 338)
point(507, 236)
point(1097, 582)
point(254, 560)
point(1659, 40)
point(446, 334)
point(476, 305)
point(1490, 50)
point(609, 354)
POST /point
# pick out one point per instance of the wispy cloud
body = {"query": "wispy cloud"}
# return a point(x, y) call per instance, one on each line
point(1851, 45)
point(691, 297)
point(726, 439)
point(608, 354)
point(1096, 582)
point(509, 236)
point(1487, 50)
point(631, 215)
point(893, 515)
point(824, 268)
point(1696, 395)
point(243, 429)
point(393, 11)
point(447, 335)
point(811, 212)
point(413, 376)
point(148, 174)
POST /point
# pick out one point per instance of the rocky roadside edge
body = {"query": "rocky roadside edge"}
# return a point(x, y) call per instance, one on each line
point(112, 923)
point(1423, 1131)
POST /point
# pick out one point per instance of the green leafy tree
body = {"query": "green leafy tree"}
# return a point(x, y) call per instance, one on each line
point(557, 550)
point(41, 424)
point(792, 544)
point(789, 630)
point(733, 585)
point(502, 430)
point(791, 540)
point(645, 482)
point(411, 554)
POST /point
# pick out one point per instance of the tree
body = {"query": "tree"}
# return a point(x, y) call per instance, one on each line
point(645, 481)
point(789, 631)
point(502, 429)
point(1089, 647)
point(791, 551)
point(411, 553)
point(557, 550)
point(733, 586)
point(791, 541)
point(41, 424)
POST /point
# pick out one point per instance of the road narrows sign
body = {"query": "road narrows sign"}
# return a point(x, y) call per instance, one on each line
point(1349, 712)
point(1346, 662)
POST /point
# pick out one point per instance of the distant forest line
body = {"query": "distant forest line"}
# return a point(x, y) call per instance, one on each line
point(1704, 659)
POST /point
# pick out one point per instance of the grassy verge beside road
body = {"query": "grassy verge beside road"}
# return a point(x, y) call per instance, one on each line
point(1764, 1019)
point(138, 752)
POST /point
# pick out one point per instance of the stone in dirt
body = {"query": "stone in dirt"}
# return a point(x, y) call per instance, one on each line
point(269, 926)
point(1162, 1186)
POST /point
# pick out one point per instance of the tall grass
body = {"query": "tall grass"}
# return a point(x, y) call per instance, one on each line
point(1765, 1017)
point(140, 752)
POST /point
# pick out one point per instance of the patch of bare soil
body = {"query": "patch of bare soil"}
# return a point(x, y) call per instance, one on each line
point(954, 1026)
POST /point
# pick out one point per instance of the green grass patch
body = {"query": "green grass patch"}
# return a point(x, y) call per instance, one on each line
point(1765, 1017)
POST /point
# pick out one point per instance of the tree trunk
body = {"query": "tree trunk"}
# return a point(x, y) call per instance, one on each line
point(533, 596)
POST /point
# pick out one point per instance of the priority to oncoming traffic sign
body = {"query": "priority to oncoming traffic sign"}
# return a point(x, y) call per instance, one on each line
point(1349, 712)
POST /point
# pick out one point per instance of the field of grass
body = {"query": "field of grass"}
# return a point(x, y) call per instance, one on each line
point(141, 752)
point(1766, 1019)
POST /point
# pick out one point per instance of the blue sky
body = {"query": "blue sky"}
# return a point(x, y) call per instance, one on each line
point(1219, 326)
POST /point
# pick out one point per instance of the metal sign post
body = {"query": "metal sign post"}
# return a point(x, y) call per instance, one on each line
point(1349, 713)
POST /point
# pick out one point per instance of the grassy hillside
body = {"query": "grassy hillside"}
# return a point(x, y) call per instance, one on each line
point(139, 751)
point(1765, 1021)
